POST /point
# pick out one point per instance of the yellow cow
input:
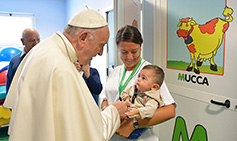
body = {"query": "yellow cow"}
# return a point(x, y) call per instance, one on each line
point(203, 40)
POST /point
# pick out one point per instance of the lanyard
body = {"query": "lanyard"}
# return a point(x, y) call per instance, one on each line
point(123, 86)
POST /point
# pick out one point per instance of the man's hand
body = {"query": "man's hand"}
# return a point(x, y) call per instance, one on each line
point(122, 107)
point(78, 66)
point(86, 70)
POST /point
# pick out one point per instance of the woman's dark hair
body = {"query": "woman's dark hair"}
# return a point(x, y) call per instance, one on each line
point(130, 34)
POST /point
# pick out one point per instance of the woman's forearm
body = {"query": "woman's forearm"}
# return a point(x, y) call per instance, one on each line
point(104, 104)
point(162, 114)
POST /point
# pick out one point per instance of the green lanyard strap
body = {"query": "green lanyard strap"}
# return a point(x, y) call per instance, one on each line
point(123, 86)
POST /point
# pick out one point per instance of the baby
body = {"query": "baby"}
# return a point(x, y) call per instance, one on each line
point(144, 95)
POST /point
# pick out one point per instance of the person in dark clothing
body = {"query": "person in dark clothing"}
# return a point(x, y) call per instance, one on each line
point(92, 79)
point(30, 38)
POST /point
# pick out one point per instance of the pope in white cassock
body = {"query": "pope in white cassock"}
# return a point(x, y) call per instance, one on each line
point(48, 97)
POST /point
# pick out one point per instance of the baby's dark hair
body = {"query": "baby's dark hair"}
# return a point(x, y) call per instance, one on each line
point(159, 73)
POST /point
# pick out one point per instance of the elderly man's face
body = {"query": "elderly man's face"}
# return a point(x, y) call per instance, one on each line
point(96, 44)
point(30, 39)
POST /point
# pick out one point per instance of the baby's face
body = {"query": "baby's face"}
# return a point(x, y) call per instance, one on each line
point(145, 80)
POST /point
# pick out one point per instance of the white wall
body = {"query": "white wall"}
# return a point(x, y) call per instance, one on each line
point(50, 15)
point(73, 6)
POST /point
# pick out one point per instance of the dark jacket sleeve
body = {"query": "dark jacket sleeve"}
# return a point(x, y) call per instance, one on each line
point(10, 75)
point(93, 82)
point(13, 65)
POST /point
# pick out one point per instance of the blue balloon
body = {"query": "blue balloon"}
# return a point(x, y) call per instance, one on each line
point(6, 53)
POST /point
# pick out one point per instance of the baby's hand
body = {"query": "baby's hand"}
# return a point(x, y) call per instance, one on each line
point(132, 111)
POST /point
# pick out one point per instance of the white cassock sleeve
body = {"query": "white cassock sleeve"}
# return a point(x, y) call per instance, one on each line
point(111, 121)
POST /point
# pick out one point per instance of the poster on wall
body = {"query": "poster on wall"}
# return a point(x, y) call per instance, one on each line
point(201, 35)
point(197, 43)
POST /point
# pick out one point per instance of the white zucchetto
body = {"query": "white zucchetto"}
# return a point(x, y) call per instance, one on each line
point(87, 19)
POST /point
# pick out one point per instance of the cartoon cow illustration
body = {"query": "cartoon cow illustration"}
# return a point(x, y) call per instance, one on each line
point(203, 40)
